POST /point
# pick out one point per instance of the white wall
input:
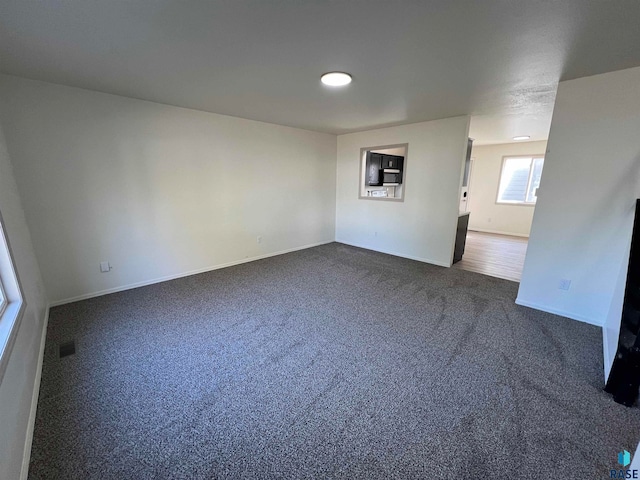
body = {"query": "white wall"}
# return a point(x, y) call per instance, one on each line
point(17, 383)
point(486, 214)
point(583, 220)
point(423, 227)
point(158, 191)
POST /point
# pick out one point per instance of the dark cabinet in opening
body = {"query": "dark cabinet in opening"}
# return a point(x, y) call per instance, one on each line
point(374, 165)
point(392, 161)
point(383, 169)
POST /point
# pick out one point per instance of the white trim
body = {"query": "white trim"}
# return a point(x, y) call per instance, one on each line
point(396, 254)
point(3, 299)
point(180, 275)
point(26, 455)
point(363, 175)
point(498, 232)
point(605, 353)
point(562, 313)
point(14, 308)
point(9, 326)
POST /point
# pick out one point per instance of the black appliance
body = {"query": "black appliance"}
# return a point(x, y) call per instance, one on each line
point(383, 170)
point(391, 177)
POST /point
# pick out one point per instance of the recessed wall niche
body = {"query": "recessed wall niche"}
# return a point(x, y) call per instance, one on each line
point(383, 172)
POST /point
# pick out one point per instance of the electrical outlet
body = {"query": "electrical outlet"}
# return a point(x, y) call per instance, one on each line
point(564, 284)
point(105, 267)
point(375, 234)
point(259, 239)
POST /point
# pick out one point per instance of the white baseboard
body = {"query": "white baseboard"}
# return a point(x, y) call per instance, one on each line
point(26, 454)
point(562, 313)
point(184, 274)
point(498, 232)
point(395, 254)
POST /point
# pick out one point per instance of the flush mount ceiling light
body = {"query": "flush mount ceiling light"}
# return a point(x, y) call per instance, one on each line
point(336, 79)
point(522, 137)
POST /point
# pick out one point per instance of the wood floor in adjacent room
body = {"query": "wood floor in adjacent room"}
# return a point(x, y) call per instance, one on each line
point(500, 256)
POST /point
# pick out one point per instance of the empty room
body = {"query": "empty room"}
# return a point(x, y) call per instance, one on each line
point(234, 239)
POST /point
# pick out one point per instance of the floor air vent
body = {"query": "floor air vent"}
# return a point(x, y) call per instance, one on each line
point(68, 348)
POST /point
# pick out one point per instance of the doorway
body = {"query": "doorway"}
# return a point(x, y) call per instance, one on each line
point(501, 198)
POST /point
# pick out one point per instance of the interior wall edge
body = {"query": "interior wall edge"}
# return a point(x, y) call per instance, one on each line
point(606, 353)
point(424, 226)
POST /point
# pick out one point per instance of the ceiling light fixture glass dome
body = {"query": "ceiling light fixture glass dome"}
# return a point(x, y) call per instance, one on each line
point(336, 79)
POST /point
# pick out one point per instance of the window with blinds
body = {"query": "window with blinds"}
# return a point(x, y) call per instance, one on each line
point(519, 180)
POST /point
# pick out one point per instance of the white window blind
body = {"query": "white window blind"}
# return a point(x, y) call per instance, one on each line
point(520, 179)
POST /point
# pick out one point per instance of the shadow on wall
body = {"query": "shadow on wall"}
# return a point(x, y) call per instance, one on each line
point(615, 225)
point(624, 192)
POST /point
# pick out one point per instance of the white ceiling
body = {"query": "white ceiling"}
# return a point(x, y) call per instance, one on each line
point(498, 60)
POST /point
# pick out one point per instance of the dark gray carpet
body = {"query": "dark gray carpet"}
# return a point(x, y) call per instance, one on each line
point(332, 362)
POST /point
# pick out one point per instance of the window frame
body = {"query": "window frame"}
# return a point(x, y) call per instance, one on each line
point(3, 299)
point(362, 162)
point(504, 161)
point(13, 310)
